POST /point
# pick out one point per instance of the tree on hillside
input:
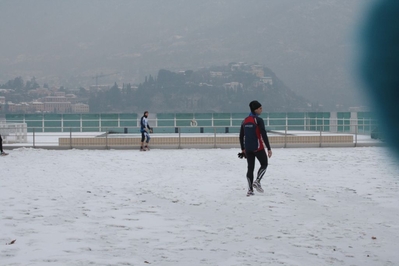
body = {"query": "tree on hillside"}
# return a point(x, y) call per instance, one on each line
point(15, 84)
point(31, 84)
point(114, 97)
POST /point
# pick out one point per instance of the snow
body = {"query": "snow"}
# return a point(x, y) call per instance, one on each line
point(321, 206)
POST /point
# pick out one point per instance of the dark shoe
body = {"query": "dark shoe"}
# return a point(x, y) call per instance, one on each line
point(250, 193)
point(256, 185)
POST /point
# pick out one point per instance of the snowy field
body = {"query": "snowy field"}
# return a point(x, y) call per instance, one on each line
point(321, 206)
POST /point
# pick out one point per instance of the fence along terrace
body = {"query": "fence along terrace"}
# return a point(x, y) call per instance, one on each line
point(211, 129)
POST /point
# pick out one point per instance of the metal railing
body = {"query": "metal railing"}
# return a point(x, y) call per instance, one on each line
point(199, 125)
point(361, 133)
point(333, 122)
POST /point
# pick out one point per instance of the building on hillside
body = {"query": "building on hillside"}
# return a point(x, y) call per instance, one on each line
point(238, 66)
point(55, 99)
point(57, 107)
point(233, 86)
point(258, 70)
point(18, 107)
point(56, 104)
point(37, 106)
point(267, 80)
point(11, 107)
point(59, 94)
point(203, 84)
point(216, 74)
point(80, 108)
point(71, 98)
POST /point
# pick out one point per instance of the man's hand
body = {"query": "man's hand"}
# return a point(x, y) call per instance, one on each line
point(242, 155)
point(269, 153)
point(151, 130)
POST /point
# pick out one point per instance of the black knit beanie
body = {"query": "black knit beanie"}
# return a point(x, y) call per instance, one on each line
point(254, 105)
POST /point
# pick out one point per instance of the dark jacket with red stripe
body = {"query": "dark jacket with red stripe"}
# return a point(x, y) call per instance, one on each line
point(252, 133)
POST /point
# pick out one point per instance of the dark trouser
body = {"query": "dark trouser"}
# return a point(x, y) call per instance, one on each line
point(1, 145)
point(262, 158)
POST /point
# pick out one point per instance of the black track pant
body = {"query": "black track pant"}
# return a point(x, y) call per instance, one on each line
point(262, 158)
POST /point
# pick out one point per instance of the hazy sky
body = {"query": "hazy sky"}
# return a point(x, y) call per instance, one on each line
point(309, 44)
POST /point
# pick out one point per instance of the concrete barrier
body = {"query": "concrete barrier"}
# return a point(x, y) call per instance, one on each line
point(209, 141)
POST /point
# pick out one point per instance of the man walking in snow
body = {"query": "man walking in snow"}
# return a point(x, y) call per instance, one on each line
point(1, 147)
point(145, 129)
point(253, 138)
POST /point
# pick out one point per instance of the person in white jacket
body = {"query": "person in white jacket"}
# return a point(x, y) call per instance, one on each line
point(145, 129)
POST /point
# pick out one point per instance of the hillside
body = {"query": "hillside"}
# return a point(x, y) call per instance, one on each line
point(309, 44)
point(227, 88)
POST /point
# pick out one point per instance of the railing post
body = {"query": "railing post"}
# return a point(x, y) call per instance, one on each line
point(106, 140)
point(174, 121)
point(214, 138)
point(33, 136)
point(304, 121)
point(285, 136)
point(320, 139)
point(356, 130)
point(178, 130)
point(70, 138)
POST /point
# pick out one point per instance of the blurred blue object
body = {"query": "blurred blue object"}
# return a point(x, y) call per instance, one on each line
point(380, 66)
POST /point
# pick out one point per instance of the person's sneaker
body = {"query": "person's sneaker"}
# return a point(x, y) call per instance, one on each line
point(146, 148)
point(142, 149)
point(250, 193)
point(256, 185)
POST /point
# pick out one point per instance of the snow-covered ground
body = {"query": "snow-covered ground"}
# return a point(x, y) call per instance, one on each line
point(321, 206)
